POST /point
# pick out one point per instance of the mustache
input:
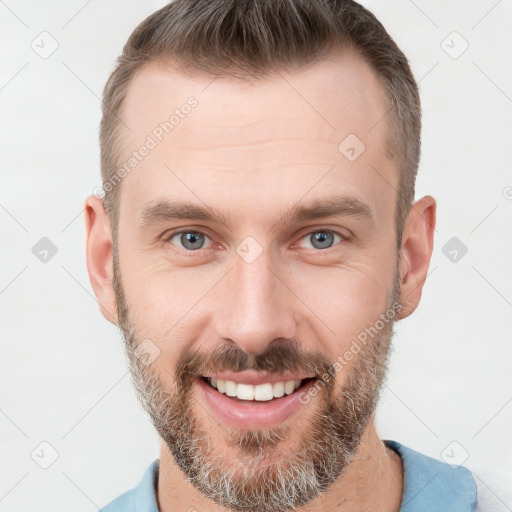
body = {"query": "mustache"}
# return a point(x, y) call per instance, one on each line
point(282, 355)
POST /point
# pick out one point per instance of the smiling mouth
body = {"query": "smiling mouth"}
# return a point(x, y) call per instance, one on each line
point(264, 392)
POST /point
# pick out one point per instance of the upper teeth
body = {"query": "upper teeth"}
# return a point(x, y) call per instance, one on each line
point(261, 392)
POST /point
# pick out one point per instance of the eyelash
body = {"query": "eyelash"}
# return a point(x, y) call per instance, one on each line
point(343, 237)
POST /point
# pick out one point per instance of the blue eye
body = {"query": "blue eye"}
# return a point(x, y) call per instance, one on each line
point(190, 240)
point(322, 239)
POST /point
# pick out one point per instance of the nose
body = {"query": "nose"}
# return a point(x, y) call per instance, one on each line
point(257, 307)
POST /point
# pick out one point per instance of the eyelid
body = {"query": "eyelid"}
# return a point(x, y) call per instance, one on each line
point(170, 235)
point(310, 231)
point(203, 231)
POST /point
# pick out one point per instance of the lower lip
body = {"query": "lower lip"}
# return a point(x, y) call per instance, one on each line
point(253, 414)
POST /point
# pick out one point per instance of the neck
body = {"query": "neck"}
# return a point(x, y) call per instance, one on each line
point(373, 481)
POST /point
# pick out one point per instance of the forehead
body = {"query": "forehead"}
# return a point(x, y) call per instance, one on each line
point(246, 142)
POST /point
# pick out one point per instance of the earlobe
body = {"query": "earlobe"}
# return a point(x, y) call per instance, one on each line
point(99, 253)
point(415, 253)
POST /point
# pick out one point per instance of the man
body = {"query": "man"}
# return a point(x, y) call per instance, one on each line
point(257, 240)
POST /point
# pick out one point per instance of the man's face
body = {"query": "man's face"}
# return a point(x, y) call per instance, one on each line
point(263, 294)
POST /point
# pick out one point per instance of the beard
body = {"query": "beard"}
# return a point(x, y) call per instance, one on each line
point(262, 477)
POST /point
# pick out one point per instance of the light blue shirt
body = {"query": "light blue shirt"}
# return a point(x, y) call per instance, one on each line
point(429, 486)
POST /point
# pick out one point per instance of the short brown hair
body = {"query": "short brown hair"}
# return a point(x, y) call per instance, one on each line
point(251, 39)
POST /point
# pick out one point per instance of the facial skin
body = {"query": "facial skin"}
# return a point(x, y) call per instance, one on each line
point(253, 152)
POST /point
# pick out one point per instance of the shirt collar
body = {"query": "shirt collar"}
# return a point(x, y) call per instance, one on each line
point(145, 492)
point(429, 484)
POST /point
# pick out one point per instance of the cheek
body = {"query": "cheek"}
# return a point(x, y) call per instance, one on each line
point(166, 304)
point(155, 292)
point(346, 300)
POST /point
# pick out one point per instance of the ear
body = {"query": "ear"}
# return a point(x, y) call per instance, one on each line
point(415, 253)
point(99, 252)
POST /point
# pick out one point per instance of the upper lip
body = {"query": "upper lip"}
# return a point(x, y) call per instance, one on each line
point(255, 378)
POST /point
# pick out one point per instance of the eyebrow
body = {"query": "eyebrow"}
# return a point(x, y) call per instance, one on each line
point(338, 205)
point(165, 210)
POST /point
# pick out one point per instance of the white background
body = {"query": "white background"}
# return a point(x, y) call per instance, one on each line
point(63, 376)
